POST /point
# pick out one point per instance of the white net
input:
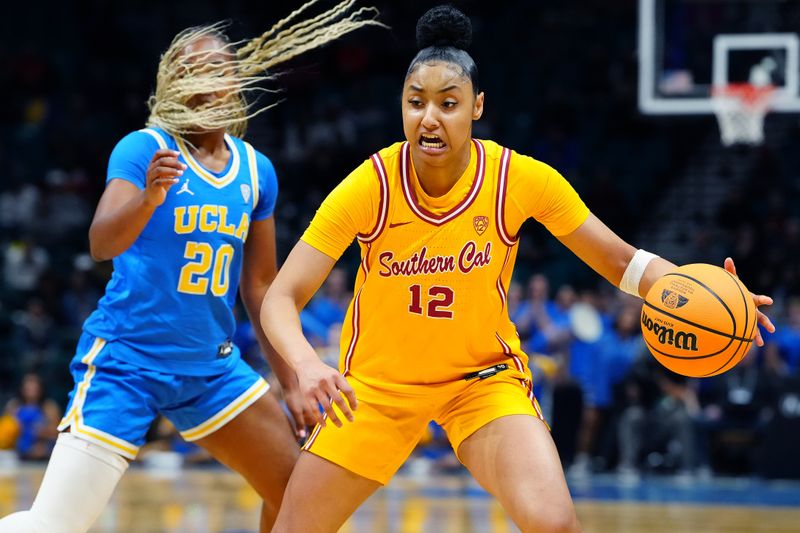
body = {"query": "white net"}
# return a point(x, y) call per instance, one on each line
point(740, 110)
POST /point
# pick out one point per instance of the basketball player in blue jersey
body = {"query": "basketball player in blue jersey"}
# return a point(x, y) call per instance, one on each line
point(187, 219)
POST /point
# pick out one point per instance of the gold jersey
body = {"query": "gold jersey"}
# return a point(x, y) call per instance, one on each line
point(429, 301)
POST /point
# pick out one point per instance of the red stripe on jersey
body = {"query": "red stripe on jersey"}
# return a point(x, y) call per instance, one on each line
point(532, 397)
point(365, 259)
point(356, 315)
point(314, 434)
point(537, 407)
point(353, 340)
point(383, 208)
point(411, 197)
point(526, 383)
point(502, 186)
point(509, 353)
point(502, 293)
point(500, 288)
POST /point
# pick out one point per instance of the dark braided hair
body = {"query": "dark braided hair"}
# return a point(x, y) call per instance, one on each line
point(443, 34)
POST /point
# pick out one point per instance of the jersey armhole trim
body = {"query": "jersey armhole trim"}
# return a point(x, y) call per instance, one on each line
point(502, 192)
point(251, 160)
point(383, 208)
point(356, 318)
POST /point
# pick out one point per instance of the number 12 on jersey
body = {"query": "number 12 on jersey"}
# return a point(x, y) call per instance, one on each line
point(439, 299)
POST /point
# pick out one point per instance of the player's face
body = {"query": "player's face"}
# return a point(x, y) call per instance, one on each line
point(202, 56)
point(438, 109)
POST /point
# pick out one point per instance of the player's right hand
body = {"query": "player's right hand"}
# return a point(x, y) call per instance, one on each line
point(323, 386)
point(162, 173)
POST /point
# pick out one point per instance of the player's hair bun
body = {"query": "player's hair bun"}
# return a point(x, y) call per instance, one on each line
point(444, 26)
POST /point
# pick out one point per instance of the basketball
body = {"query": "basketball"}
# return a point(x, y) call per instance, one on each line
point(698, 320)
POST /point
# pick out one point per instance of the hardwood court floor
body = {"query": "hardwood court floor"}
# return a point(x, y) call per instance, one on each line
point(217, 501)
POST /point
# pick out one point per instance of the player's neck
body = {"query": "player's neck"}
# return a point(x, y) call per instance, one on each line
point(209, 149)
point(437, 180)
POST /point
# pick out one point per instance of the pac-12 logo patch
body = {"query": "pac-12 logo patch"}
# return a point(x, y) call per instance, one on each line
point(480, 223)
point(245, 192)
point(672, 300)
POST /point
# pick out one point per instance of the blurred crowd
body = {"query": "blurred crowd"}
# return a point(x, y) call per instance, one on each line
point(71, 95)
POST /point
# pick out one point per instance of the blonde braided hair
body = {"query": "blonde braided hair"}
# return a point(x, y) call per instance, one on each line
point(184, 75)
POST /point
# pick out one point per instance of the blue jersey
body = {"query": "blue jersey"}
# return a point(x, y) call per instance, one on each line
point(169, 303)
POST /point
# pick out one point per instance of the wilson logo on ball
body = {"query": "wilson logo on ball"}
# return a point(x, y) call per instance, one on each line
point(672, 300)
point(679, 339)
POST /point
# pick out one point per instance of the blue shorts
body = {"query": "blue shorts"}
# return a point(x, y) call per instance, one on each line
point(114, 403)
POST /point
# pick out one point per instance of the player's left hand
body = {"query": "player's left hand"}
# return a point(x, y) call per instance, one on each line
point(294, 402)
point(759, 300)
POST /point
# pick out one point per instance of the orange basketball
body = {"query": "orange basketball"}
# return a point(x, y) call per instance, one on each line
point(699, 320)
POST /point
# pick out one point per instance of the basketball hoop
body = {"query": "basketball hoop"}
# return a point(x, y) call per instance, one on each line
point(740, 110)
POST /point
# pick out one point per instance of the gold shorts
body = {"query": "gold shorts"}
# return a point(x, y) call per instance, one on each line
point(390, 422)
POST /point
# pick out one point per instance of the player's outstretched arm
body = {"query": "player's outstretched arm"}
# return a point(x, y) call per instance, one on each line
point(608, 255)
point(124, 210)
point(259, 267)
point(298, 279)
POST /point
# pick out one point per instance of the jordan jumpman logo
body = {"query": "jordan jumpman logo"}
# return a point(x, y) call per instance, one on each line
point(185, 188)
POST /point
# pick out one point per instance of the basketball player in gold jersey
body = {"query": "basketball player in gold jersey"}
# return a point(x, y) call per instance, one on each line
point(427, 335)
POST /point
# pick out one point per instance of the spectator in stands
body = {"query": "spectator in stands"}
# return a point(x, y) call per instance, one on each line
point(18, 207)
point(735, 407)
point(516, 302)
point(543, 324)
point(34, 335)
point(612, 358)
point(24, 263)
point(327, 308)
point(787, 337)
point(67, 209)
point(664, 430)
point(37, 417)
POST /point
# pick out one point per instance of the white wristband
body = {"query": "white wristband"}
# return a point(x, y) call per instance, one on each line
point(634, 272)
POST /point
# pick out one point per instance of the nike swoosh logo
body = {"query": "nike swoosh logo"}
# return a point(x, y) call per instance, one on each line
point(395, 224)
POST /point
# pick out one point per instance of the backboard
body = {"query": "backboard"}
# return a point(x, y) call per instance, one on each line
point(688, 47)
